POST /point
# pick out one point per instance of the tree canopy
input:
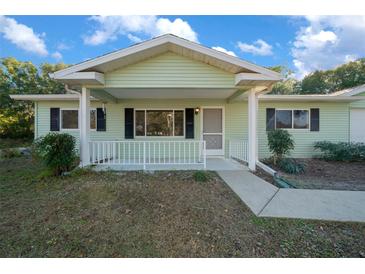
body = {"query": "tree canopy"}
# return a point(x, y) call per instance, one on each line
point(17, 77)
point(345, 76)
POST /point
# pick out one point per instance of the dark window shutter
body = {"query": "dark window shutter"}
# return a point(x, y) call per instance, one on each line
point(128, 123)
point(314, 113)
point(55, 119)
point(189, 123)
point(270, 119)
point(100, 119)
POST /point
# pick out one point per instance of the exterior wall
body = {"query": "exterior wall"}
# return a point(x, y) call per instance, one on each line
point(169, 70)
point(334, 126)
point(358, 104)
point(334, 121)
point(235, 118)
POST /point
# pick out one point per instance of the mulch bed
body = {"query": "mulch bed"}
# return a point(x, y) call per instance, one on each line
point(321, 174)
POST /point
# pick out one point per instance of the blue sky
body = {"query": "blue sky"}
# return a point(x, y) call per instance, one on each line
point(301, 43)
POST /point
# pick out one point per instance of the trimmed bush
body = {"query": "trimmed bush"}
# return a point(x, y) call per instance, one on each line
point(57, 151)
point(290, 165)
point(342, 151)
point(280, 142)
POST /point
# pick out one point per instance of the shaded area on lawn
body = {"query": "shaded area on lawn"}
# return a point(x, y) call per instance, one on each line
point(13, 143)
point(161, 214)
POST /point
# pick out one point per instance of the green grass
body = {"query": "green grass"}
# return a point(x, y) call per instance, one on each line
point(163, 214)
point(12, 143)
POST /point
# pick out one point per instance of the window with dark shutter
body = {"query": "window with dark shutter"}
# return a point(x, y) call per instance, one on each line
point(128, 123)
point(314, 119)
point(101, 119)
point(270, 119)
point(189, 123)
point(55, 119)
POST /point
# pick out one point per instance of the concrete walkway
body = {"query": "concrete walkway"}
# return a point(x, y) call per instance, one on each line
point(266, 200)
point(253, 191)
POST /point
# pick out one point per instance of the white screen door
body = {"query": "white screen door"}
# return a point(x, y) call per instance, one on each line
point(213, 130)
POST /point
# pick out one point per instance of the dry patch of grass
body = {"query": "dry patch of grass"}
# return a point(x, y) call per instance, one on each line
point(161, 214)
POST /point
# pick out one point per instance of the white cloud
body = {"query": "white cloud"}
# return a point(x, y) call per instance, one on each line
point(133, 38)
point(225, 51)
point(57, 55)
point(22, 36)
point(134, 26)
point(328, 41)
point(63, 46)
point(259, 47)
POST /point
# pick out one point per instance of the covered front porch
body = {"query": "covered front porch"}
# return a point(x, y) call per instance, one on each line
point(217, 132)
point(174, 103)
point(165, 155)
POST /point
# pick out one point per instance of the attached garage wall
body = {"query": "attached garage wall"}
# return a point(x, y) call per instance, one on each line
point(357, 125)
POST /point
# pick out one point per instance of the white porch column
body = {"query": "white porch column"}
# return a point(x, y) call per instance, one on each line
point(252, 130)
point(85, 126)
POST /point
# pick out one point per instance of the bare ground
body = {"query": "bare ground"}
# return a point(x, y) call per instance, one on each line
point(320, 174)
point(162, 214)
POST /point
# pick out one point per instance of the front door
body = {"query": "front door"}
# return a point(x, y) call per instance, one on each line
point(213, 130)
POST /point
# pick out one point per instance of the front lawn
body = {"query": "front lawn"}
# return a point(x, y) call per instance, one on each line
point(136, 214)
point(13, 143)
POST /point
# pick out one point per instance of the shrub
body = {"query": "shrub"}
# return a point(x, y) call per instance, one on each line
point(341, 151)
point(201, 176)
point(290, 165)
point(280, 142)
point(9, 153)
point(57, 151)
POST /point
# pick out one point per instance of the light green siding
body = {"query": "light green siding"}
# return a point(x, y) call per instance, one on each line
point(358, 104)
point(169, 70)
point(334, 126)
point(334, 121)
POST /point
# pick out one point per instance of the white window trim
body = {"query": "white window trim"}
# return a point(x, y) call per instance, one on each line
point(292, 119)
point(145, 123)
point(78, 120)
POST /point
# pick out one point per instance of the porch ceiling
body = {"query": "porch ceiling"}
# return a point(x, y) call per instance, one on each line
point(167, 93)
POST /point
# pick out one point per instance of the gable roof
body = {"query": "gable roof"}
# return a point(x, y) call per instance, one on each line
point(350, 91)
point(162, 44)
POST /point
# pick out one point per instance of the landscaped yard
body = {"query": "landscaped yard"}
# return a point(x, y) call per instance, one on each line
point(162, 214)
point(321, 174)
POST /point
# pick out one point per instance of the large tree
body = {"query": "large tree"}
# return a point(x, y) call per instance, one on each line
point(322, 81)
point(17, 77)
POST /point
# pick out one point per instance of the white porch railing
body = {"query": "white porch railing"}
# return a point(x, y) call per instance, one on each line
point(238, 149)
point(147, 153)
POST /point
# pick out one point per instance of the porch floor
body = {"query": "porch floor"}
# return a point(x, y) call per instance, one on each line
point(213, 163)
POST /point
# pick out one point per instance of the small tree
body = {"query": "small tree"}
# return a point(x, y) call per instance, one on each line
point(57, 151)
point(280, 143)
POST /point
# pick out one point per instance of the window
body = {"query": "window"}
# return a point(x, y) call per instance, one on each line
point(288, 119)
point(283, 119)
point(159, 123)
point(301, 119)
point(70, 119)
